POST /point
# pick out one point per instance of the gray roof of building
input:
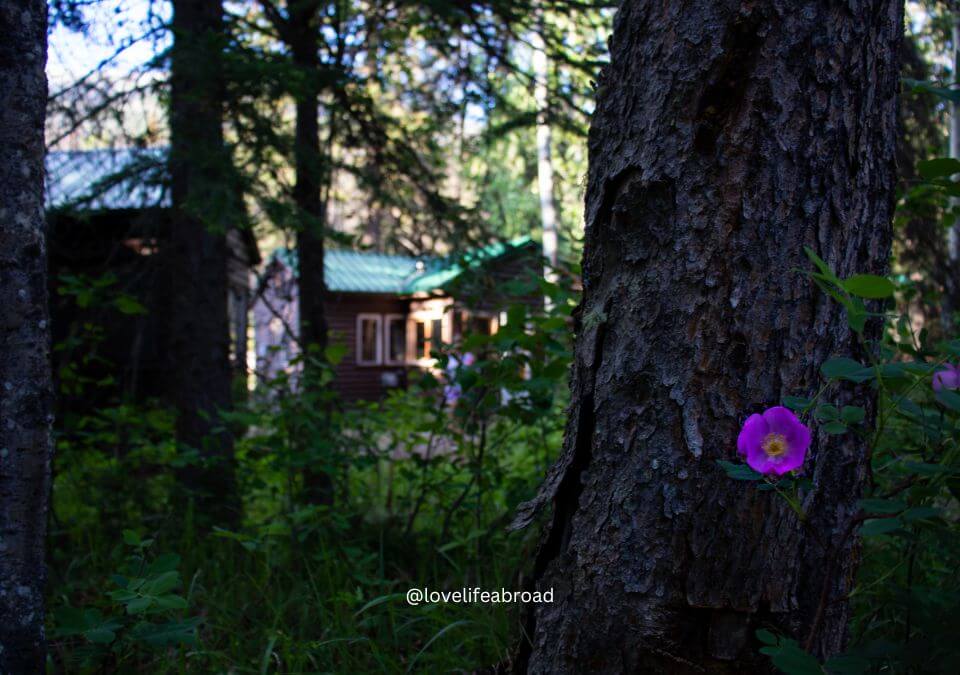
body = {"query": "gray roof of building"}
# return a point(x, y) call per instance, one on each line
point(111, 179)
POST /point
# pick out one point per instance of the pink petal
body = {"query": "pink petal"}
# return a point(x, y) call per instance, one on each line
point(752, 434)
point(758, 460)
point(783, 421)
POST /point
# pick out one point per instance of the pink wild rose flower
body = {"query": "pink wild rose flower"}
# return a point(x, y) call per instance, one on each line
point(949, 378)
point(775, 442)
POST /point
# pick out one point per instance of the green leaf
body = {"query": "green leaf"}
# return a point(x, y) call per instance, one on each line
point(917, 86)
point(171, 602)
point(873, 528)
point(847, 664)
point(796, 403)
point(843, 368)
point(167, 562)
point(953, 347)
point(824, 268)
point(335, 352)
point(69, 620)
point(138, 605)
point(950, 399)
point(827, 413)
point(162, 584)
point(127, 304)
point(881, 505)
point(100, 636)
point(835, 428)
point(938, 168)
point(378, 601)
point(131, 538)
point(437, 636)
point(920, 513)
point(167, 634)
point(869, 286)
point(739, 471)
point(766, 637)
point(852, 414)
point(857, 320)
point(925, 469)
point(790, 659)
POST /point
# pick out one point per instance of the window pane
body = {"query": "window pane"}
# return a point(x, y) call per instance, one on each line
point(423, 350)
point(457, 324)
point(397, 336)
point(436, 334)
point(481, 325)
point(368, 340)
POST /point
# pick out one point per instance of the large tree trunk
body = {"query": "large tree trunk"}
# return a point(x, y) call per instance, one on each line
point(205, 205)
point(727, 136)
point(26, 392)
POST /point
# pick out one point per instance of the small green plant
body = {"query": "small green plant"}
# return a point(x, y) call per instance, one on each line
point(145, 610)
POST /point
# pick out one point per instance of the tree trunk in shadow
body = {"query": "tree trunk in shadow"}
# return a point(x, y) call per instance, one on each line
point(728, 135)
point(311, 211)
point(26, 388)
point(205, 206)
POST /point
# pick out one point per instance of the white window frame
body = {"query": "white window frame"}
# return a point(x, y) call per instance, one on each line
point(387, 319)
point(378, 319)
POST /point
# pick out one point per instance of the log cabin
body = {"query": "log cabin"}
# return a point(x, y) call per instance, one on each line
point(390, 311)
point(108, 214)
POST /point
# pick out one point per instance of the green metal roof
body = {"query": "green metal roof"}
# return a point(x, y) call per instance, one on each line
point(368, 272)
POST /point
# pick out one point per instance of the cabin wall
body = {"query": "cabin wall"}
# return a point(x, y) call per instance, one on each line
point(131, 246)
point(352, 380)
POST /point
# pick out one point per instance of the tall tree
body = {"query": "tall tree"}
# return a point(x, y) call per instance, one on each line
point(26, 400)
point(299, 29)
point(205, 206)
point(952, 285)
point(727, 136)
point(548, 206)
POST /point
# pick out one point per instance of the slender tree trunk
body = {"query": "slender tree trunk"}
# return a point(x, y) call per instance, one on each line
point(304, 43)
point(727, 136)
point(952, 290)
point(205, 205)
point(307, 191)
point(26, 390)
point(548, 207)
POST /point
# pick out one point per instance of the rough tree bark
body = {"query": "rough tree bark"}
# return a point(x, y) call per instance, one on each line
point(205, 205)
point(26, 392)
point(728, 135)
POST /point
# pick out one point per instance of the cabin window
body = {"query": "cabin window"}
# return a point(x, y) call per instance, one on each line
point(481, 325)
point(396, 339)
point(423, 347)
point(457, 324)
point(369, 340)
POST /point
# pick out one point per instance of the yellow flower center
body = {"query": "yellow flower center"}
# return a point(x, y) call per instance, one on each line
point(775, 445)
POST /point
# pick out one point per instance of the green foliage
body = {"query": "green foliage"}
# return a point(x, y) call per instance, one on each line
point(907, 591)
point(421, 491)
point(144, 612)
